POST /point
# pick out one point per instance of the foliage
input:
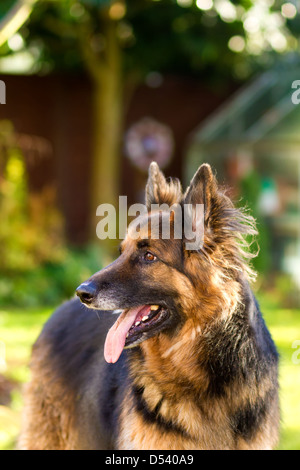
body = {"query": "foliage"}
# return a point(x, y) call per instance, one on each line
point(250, 188)
point(24, 244)
point(168, 36)
point(36, 267)
point(5, 6)
point(51, 282)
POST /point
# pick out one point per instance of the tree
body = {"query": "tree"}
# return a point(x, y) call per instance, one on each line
point(119, 42)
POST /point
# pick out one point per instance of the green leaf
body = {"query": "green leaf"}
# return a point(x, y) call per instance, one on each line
point(96, 3)
point(5, 6)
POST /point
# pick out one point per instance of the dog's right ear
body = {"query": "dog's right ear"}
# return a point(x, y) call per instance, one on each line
point(159, 190)
point(203, 189)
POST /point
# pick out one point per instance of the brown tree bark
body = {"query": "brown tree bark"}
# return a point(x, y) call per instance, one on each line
point(105, 69)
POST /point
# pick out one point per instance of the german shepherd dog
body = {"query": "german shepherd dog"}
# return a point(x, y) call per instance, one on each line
point(189, 363)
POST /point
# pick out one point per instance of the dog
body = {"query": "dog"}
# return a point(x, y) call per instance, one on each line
point(189, 362)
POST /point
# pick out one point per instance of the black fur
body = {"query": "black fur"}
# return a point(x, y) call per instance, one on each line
point(213, 369)
point(240, 348)
point(154, 416)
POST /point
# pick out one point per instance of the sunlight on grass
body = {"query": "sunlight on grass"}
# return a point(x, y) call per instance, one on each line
point(285, 328)
point(18, 331)
point(10, 424)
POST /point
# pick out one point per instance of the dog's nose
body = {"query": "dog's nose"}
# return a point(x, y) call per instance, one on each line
point(86, 292)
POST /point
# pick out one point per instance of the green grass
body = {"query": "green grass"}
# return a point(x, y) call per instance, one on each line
point(19, 329)
point(284, 325)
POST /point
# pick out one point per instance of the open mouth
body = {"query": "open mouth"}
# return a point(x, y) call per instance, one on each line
point(132, 327)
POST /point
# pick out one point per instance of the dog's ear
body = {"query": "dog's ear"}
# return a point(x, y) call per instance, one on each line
point(161, 191)
point(203, 189)
point(219, 224)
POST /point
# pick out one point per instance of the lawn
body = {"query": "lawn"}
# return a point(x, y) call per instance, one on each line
point(284, 325)
point(18, 331)
point(19, 328)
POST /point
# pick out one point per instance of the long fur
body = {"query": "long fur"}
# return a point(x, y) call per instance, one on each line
point(209, 380)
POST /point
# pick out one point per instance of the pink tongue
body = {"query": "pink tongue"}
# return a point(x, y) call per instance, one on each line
point(116, 336)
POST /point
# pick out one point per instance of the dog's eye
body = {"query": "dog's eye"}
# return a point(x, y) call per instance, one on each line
point(148, 256)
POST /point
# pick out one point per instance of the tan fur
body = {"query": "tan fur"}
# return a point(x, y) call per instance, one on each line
point(159, 191)
point(54, 428)
point(164, 375)
point(170, 373)
point(169, 363)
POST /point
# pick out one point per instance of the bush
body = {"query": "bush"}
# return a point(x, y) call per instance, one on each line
point(31, 229)
point(36, 266)
point(52, 282)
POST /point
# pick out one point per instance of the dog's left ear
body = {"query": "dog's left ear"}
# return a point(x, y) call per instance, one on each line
point(161, 191)
point(203, 189)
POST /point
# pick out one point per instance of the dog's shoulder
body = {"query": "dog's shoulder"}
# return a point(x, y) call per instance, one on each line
point(73, 338)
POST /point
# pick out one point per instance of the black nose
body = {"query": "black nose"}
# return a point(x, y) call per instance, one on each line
point(86, 292)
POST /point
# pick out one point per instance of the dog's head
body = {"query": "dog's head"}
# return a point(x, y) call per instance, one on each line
point(158, 282)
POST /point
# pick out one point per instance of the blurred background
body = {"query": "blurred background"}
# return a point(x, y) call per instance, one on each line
point(91, 92)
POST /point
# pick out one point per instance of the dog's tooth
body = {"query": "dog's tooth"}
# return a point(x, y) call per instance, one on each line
point(154, 307)
point(145, 318)
point(137, 323)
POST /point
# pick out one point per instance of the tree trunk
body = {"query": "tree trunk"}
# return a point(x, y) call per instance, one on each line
point(108, 114)
point(106, 72)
